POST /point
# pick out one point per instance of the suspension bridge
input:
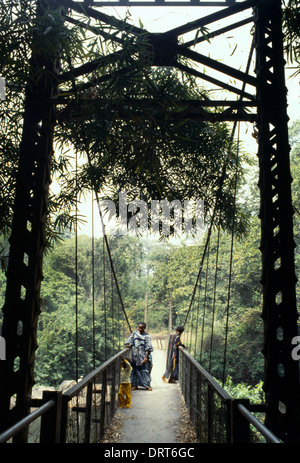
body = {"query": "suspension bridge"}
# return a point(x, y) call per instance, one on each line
point(81, 413)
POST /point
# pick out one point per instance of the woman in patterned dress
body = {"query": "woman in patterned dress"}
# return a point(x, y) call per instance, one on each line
point(141, 360)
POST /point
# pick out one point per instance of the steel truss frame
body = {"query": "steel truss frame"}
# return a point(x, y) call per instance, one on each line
point(24, 275)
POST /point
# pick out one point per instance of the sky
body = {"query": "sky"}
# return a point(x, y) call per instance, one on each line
point(162, 19)
point(231, 48)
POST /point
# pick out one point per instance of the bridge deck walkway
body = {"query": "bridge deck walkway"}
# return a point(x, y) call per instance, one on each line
point(155, 416)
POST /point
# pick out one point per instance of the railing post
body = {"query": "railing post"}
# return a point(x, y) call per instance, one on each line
point(51, 420)
point(191, 390)
point(228, 420)
point(64, 419)
point(102, 403)
point(87, 431)
point(193, 395)
point(113, 390)
point(240, 428)
point(188, 385)
point(182, 363)
point(209, 409)
point(198, 406)
point(185, 379)
point(117, 381)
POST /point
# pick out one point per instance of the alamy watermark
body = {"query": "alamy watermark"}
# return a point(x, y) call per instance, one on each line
point(296, 350)
point(2, 88)
point(2, 348)
point(179, 219)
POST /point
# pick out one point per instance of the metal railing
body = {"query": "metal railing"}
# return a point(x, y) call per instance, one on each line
point(23, 424)
point(78, 415)
point(216, 416)
point(81, 414)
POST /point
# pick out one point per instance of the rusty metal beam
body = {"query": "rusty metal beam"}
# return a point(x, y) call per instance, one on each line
point(145, 3)
point(279, 314)
point(27, 243)
point(186, 110)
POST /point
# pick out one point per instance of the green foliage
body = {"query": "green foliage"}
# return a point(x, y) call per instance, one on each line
point(295, 173)
point(82, 322)
point(291, 29)
point(255, 394)
point(166, 273)
point(142, 151)
point(116, 116)
point(244, 391)
point(147, 153)
point(173, 280)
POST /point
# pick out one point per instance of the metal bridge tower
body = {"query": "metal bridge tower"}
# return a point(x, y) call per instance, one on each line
point(276, 213)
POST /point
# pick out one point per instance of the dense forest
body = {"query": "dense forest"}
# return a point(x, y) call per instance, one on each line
point(157, 273)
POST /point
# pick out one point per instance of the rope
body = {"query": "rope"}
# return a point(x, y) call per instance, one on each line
point(192, 321)
point(76, 270)
point(112, 312)
point(108, 247)
point(212, 220)
point(232, 232)
point(104, 300)
point(93, 285)
point(216, 203)
point(197, 316)
point(214, 301)
point(230, 266)
point(204, 304)
point(76, 292)
point(208, 234)
point(112, 264)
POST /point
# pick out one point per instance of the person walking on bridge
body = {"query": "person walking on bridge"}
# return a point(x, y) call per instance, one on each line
point(171, 373)
point(141, 347)
point(124, 393)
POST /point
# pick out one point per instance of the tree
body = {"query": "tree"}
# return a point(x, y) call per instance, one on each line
point(291, 29)
point(147, 155)
point(82, 321)
point(295, 172)
point(139, 149)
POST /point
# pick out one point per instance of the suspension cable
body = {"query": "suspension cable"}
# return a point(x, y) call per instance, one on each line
point(108, 247)
point(230, 262)
point(214, 301)
point(209, 233)
point(197, 315)
point(93, 285)
point(112, 264)
point(221, 184)
point(204, 304)
point(76, 269)
point(104, 299)
point(76, 293)
point(112, 312)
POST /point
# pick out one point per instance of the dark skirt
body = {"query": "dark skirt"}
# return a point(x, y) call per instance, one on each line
point(172, 362)
point(140, 375)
